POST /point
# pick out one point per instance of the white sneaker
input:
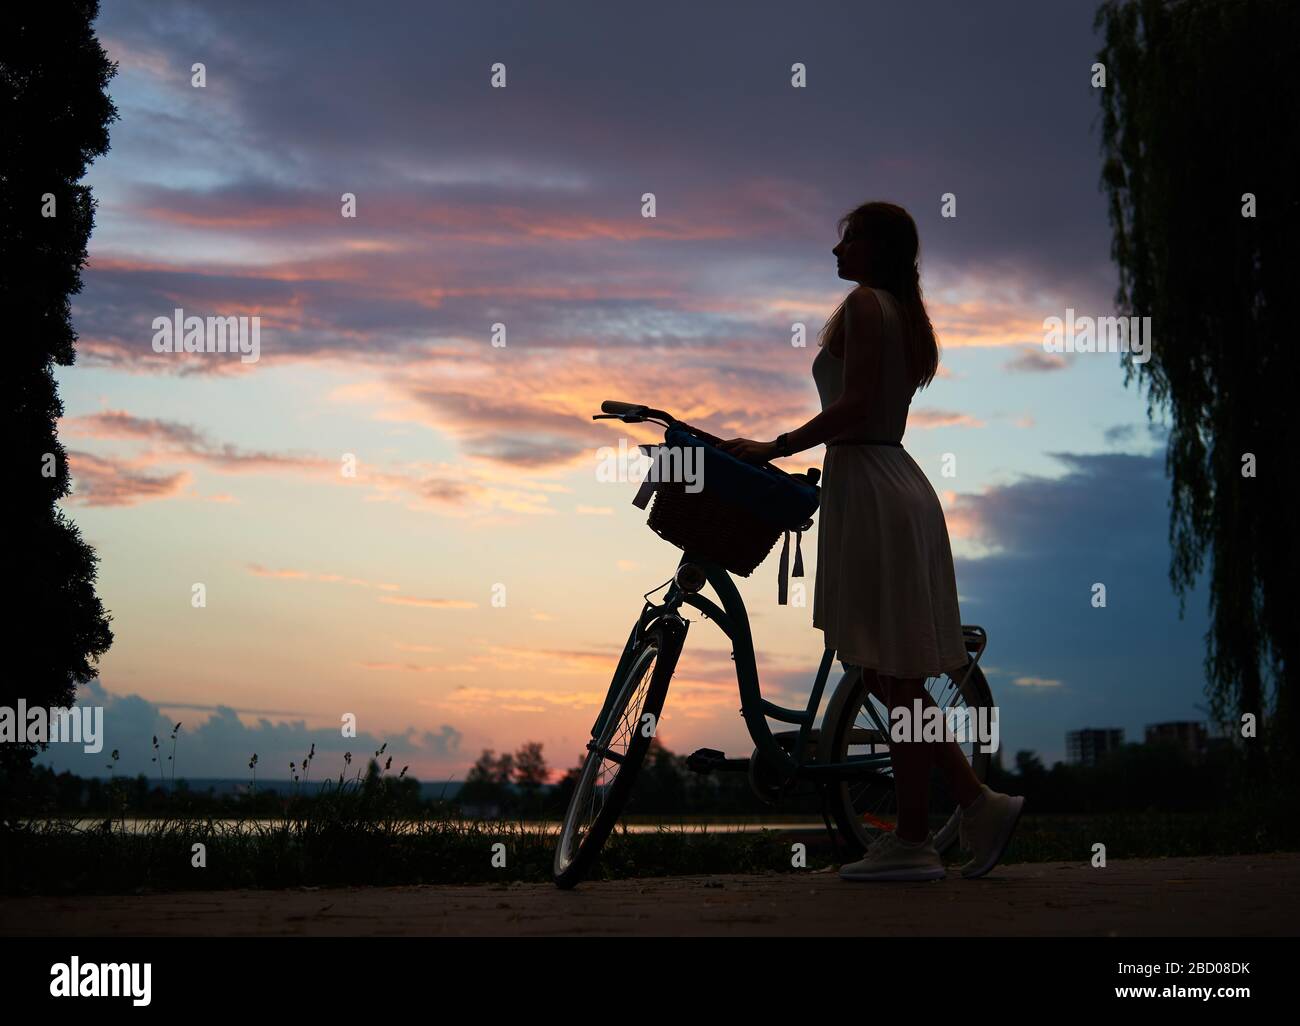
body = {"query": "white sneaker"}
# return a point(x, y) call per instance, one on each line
point(889, 858)
point(986, 830)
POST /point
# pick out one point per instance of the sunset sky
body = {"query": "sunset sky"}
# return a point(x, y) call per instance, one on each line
point(476, 465)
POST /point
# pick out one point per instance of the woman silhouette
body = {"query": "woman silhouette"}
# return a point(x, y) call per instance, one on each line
point(886, 593)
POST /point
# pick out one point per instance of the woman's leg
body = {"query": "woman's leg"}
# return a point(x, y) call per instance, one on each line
point(911, 763)
point(912, 760)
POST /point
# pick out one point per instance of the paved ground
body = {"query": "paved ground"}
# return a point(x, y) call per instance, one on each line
point(1249, 895)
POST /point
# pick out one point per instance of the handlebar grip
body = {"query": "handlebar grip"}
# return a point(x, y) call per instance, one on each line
point(617, 408)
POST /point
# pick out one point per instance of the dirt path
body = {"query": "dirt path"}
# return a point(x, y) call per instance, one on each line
point(1251, 895)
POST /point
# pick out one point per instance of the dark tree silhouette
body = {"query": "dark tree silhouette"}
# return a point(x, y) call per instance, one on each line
point(488, 779)
point(55, 110)
point(530, 770)
point(1198, 111)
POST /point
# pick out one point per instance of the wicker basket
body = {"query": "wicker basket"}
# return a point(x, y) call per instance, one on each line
point(710, 527)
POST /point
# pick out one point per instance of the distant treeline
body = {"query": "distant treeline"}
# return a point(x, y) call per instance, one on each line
point(1132, 778)
point(61, 794)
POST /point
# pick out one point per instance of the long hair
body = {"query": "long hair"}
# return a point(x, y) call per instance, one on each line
point(893, 252)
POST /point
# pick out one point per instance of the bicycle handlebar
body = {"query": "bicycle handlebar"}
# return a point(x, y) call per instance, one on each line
point(634, 412)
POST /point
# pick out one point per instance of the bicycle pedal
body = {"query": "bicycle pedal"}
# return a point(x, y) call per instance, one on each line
point(710, 760)
point(706, 760)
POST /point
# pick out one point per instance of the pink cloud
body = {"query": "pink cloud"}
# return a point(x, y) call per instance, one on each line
point(104, 482)
point(429, 603)
point(287, 574)
point(927, 419)
point(1035, 360)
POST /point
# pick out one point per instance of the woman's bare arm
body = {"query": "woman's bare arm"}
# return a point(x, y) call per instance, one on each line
point(862, 357)
point(862, 360)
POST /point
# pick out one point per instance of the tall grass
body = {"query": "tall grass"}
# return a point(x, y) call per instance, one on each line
point(343, 843)
point(362, 830)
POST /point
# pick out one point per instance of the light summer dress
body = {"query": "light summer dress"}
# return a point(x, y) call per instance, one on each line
point(885, 593)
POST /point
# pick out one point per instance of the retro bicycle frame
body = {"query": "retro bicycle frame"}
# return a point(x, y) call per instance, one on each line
point(733, 620)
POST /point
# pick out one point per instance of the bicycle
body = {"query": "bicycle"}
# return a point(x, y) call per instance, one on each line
point(847, 758)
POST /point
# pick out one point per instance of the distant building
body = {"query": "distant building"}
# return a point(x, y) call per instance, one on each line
point(1087, 747)
point(1185, 734)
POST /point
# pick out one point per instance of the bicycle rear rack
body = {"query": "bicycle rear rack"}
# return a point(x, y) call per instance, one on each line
point(976, 640)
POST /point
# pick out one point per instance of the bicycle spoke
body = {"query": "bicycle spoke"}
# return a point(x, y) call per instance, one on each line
point(866, 804)
point(606, 755)
point(874, 799)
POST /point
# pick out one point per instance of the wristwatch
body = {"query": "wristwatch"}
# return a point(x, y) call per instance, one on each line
point(782, 444)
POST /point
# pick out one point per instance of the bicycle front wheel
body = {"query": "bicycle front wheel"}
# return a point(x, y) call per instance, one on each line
point(616, 751)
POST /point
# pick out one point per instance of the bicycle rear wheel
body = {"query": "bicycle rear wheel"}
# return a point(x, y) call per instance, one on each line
point(866, 807)
point(616, 751)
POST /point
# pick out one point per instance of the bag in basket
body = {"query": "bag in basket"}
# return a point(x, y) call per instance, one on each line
point(719, 508)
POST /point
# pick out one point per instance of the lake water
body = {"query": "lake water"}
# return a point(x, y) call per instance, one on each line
point(488, 826)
